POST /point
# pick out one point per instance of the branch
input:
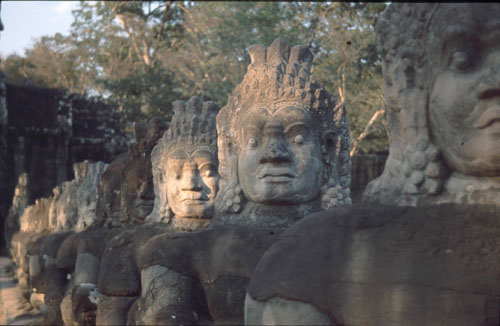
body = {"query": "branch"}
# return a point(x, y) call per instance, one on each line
point(367, 131)
point(144, 54)
point(341, 82)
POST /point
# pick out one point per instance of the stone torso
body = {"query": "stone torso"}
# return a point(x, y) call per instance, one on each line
point(220, 260)
point(433, 265)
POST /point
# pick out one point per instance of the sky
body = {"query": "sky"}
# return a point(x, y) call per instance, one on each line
point(25, 20)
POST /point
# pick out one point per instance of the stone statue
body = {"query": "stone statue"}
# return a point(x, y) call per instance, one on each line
point(283, 152)
point(109, 191)
point(19, 203)
point(107, 213)
point(376, 264)
point(126, 199)
point(185, 166)
point(283, 144)
point(43, 227)
point(185, 178)
point(137, 194)
point(72, 210)
point(442, 92)
point(75, 201)
point(382, 265)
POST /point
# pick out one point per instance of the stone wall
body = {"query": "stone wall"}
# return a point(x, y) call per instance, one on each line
point(44, 131)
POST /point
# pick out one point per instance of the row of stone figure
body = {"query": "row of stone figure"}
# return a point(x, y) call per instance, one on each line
point(278, 151)
point(215, 244)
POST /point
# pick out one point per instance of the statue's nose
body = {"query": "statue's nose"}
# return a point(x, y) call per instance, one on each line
point(275, 152)
point(190, 181)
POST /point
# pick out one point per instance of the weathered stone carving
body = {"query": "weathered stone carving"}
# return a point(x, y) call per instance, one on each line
point(137, 195)
point(43, 132)
point(283, 144)
point(19, 203)
point(109, 191)
point(441, 67)
point(394, 262)
point(282, 147)
point(442, 89)
point(200, 277)
point(76, 200)
point(126, 199)
point(185, 166)
point(45, 225)
point(185, 177)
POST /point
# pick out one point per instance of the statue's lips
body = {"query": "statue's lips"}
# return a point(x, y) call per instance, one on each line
point(193, 197)
point(489, 116)
point(276, 174)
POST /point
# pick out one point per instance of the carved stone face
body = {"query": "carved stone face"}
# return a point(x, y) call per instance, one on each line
point(139, 191)
point(279, 160)
point(191, 182)
point(464, 107)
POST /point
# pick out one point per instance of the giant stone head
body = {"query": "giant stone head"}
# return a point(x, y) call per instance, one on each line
point(185, 165)
point(283, 143)
point(136, 192)
point(441, 66)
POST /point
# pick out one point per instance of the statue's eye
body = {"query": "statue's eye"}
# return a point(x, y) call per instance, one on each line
point(208, 170)
point(299, 139)
point(460, 61)
point(252, 142)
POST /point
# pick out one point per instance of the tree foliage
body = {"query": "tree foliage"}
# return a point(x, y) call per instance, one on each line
point(142, 55)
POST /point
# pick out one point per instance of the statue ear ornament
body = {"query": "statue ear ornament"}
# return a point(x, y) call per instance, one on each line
point(424, 169)
point(233, 198)
point(335, 196)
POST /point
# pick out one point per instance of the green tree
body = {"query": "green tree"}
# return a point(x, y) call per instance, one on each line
point(348, 64)
point(143, 55)
point(211, 58)
point(51, 62)
point(121, 43)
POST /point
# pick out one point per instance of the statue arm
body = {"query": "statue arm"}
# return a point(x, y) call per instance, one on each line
point(278, 311)
point(167, 298)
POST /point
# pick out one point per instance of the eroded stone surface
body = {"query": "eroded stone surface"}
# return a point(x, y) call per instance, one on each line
point(442, 93)
point(430, 265)
point(201, 276)
point(45, 131)
point(126, 198)
point(185, 166)
point(283, 152)
point(43, 228)
point(283, 143)
point(76, 205)
point(136, 193)
point(278, 311)
point(185, 181)
point(108, 192)
point(19, 203)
